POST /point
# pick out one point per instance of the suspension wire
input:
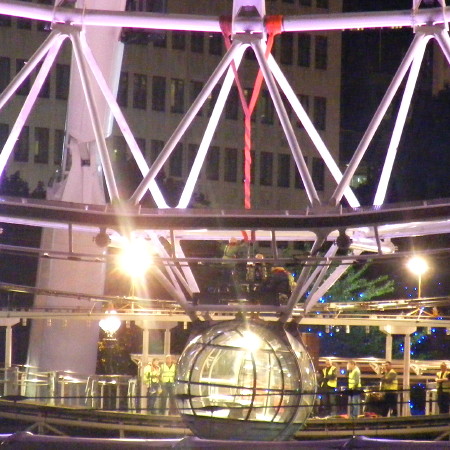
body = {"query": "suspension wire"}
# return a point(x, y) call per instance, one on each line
point(273, 26)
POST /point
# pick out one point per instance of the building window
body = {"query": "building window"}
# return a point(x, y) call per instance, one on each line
point(215, 44)
point(45, 89)
point(304, 50)
point(122, 92)
point(266, 169)
point(119, 149)
point(140, 91)
point(141, 144)
point(4, 133)
point(24, 89)
point(5, 21)
point(304, 100)
point(156, 147)
point(231, 165)
point(176, 95)
point(197, 40)
point(23, 24)
point(305, 2)
point(58, 146)
point(159, 94)
point(268, 109)
point(232, 104)
point(22, 146)
point(287, 47)
point(62, 81)
point(298, 182)
point(322, 4)
point(287, 105)
point(212, 99)
point(41, 145)
point(192, 153)
point(318, 173)
point(178, 40)
point(196, 87)
point(321, 56)
point(320, 112)
point(176, 161)
point(284, 169)
point(213, 163)
point(5, 72)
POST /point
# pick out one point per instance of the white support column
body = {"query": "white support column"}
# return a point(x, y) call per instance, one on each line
point(376, 120)
point(406, 409)
point(388, 347)
point(167, 341)
point(8, 346)
point(185, 122)
point(400, 122)
point(94, 116)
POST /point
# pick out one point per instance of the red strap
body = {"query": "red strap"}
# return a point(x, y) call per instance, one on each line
point(273, 26)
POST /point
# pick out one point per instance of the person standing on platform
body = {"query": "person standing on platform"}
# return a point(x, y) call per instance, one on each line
point(354, 389)
point(389, 385)
point(168, 370)
point(328, 387)
point(443, 389)
point(152, 378)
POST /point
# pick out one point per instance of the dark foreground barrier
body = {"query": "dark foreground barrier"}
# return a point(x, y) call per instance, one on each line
point(29, 441)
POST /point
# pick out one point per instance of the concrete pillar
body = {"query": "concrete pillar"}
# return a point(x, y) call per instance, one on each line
point(8, 324)
point(388, 350)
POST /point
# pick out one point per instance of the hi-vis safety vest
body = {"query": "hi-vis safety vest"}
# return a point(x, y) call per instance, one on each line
point(389, 382)
point(152, 375)
point(354, 379)
point(444, 385)
point(329, 372)
point(168, 373)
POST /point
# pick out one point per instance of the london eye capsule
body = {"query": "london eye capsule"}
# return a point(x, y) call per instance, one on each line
point(245, 380)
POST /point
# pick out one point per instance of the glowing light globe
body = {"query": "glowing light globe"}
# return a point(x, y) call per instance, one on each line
point(245, 380)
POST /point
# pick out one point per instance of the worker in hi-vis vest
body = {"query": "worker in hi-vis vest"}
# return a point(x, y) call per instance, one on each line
point(389, 386)
point(443, 389)
point(328, 385)
point(168, 369)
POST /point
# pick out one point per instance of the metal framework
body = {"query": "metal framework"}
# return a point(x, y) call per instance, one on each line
point(370, 229)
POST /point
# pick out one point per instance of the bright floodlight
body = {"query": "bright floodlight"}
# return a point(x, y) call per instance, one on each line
point(135, 258)
point(417, 265)
point(111, 323)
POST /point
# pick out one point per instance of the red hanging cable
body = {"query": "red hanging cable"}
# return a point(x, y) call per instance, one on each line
point(273, 27)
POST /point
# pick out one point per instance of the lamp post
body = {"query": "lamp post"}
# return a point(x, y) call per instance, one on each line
point(418, 266)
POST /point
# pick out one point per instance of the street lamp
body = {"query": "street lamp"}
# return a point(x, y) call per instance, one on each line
point(418, 266)
point(111, 323)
